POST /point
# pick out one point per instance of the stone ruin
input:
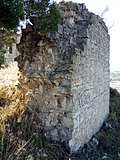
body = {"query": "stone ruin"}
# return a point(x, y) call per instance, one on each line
point(66, 74)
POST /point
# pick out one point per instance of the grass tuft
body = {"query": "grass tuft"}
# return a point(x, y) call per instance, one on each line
point(21, 132)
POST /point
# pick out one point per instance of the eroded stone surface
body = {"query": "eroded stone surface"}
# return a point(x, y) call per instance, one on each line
point(67, 74)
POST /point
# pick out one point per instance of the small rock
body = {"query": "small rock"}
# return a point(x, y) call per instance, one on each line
point(94, 142)
point(30, 157)
point(68, 122)
point(104, 157)
point(54, 134)
point(118, 154)
point(108, 125)
point(44, 155)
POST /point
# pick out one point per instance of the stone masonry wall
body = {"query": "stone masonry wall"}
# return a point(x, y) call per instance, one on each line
point(67, 75)
point(90, 86)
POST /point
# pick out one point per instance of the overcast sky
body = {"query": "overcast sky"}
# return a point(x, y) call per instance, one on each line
point(112, 19)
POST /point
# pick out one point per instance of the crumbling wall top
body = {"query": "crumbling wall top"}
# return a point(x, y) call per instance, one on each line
point(79, 11)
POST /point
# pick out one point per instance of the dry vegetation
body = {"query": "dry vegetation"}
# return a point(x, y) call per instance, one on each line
point(22, 135)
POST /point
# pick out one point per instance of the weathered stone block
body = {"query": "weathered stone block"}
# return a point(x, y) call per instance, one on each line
point(71, 73)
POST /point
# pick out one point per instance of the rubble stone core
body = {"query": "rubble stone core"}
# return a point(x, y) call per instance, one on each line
point(67, 73)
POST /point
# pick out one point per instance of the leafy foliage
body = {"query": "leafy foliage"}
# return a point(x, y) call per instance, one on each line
point(11, 11)
point(43, 14)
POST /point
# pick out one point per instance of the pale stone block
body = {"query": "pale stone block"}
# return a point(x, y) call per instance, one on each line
point(72, 76)
point(67, 122)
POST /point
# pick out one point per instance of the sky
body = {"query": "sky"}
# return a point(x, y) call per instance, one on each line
point(111, 17)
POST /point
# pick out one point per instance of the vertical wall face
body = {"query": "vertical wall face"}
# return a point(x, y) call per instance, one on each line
point(90, 86)
point(68, 75)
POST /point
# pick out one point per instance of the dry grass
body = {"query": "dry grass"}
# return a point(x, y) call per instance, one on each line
point(12, 101)
point(21, 132)
point(12, 108)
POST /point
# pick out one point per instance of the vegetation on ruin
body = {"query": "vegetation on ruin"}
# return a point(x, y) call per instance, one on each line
point(44, 15)
point(22, 134)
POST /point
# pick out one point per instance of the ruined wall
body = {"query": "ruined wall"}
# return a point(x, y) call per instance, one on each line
point(67, 74)
point(90, 85)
